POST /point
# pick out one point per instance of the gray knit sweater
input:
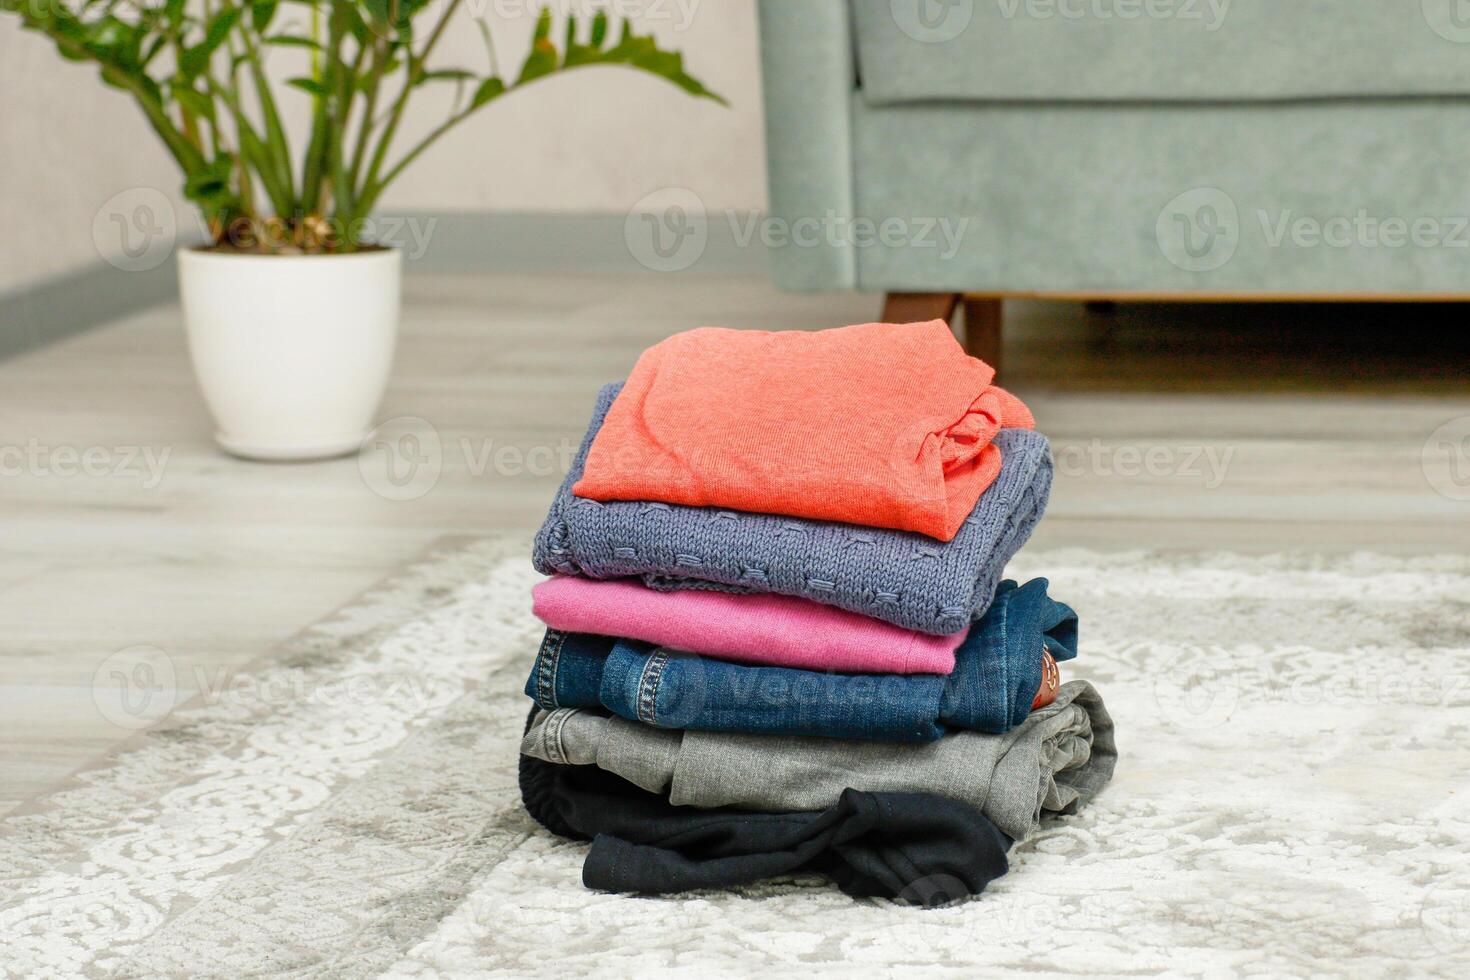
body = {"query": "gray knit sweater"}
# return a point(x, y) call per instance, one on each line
point(900, 577)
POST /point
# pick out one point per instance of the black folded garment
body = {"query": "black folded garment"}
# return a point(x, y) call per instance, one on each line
point(914, 847)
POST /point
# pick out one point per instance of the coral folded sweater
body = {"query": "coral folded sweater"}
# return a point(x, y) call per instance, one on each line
point(883, 425)
point(774, 630)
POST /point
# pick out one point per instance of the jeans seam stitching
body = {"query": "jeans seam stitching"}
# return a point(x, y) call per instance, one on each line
point(648, 687)
point(546, 665)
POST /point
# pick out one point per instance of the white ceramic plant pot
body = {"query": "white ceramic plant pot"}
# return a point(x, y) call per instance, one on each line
point(292, 352)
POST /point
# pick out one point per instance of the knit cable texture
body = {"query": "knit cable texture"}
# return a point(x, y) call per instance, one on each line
point(900, 577)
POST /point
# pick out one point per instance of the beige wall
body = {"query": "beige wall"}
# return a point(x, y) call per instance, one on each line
point(67, 144)
point(593, 140)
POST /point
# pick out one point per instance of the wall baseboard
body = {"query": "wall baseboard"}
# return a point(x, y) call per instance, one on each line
point(435, 243)
point(71, 303)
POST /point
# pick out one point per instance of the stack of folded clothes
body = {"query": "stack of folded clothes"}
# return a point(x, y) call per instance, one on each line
point(778, 640)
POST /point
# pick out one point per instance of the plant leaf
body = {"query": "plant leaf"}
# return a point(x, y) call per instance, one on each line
point(210, 186)
point(261, 12)
point(195, 101)
point(310, 85)
point(378, 13)
point(633, 50)
point(543, 58)
point(196, 59)
point(447, 74)
point(153, 49)
point(490, 88)
point(644, 53)
point(291, 40)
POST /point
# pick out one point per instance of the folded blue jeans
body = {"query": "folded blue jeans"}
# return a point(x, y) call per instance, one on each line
point(906, 579)
point(996, 677)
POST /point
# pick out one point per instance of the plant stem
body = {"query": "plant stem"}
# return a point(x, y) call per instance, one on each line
point(277, 141)
point(253, 150)
point(185, 153)
point(316, 35)
point(370, 106)
point(342, 186)
point(371, 186)
point(316, 169)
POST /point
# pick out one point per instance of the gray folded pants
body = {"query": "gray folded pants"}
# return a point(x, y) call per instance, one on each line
point(1053, 763)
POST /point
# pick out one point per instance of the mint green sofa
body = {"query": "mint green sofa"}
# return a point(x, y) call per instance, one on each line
point(1101, 149)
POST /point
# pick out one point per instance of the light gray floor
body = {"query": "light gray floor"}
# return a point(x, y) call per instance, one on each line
point(1243, 428)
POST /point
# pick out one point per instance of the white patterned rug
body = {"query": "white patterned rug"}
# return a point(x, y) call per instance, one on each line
point(1290, 800)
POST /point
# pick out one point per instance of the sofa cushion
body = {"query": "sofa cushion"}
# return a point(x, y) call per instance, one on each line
point(1336, 198)
point(1149, 50)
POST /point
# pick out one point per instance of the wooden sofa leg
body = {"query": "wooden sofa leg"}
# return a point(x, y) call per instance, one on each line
point(919, 307)
point(983, 317)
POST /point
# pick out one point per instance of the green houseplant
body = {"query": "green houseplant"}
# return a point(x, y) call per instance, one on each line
point(291, 309)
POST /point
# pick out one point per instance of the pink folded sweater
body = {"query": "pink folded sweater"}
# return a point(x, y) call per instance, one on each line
point(775, 630)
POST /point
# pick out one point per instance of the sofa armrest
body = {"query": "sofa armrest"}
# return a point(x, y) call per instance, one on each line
point(809, 78)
